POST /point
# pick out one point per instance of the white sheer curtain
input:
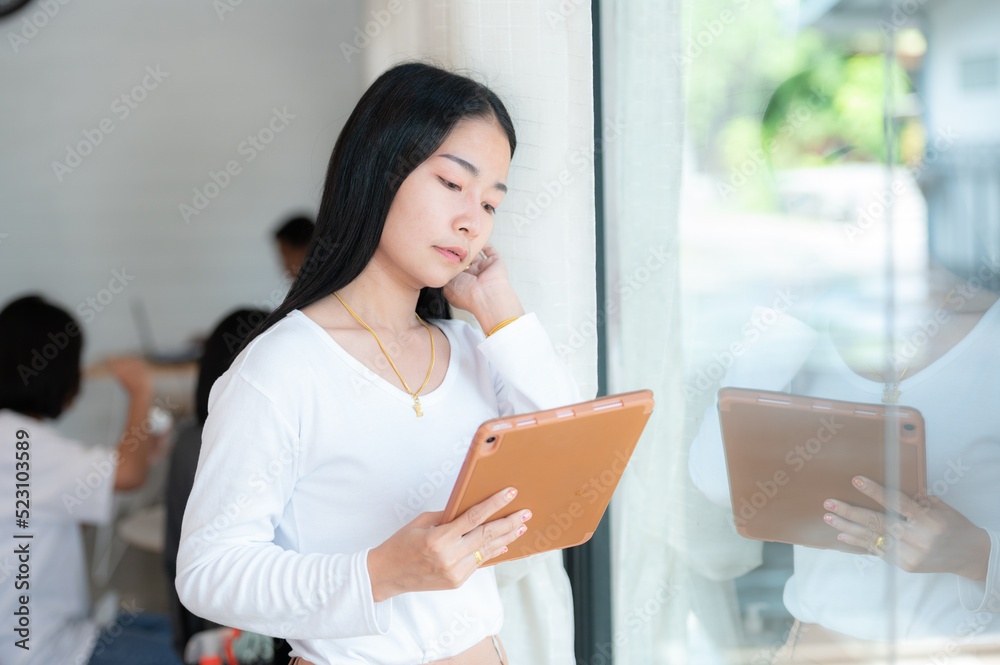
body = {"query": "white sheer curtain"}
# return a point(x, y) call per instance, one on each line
point(673, 553)
point(536, 55)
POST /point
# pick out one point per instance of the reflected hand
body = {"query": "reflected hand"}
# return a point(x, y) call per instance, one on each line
point(925, 536)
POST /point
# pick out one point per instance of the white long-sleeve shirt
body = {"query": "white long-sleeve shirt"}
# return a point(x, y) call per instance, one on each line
point(957, 395)
point(309, 459)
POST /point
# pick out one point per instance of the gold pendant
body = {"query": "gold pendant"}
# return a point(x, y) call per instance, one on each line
point(416, 406)
point(890, 396)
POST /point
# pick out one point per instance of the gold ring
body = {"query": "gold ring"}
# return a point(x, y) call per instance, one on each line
point(479, 557)
point(880, 542)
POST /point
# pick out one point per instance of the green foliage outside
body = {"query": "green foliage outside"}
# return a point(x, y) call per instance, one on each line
point(762, 98)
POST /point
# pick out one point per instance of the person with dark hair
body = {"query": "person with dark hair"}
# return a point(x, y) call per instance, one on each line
point(59, 484)
point(293, 240)
point(334, 439)
point(217, 354)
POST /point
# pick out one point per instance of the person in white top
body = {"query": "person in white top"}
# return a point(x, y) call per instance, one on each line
point(930, 583)
point(54, 484)
point(334, 439)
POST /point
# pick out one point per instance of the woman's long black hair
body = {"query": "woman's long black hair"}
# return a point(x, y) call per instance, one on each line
point(403, 117)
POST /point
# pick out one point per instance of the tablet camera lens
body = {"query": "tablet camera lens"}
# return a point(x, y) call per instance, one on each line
point(491, 439)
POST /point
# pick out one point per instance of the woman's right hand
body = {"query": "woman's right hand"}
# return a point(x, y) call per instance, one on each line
point(425, 556)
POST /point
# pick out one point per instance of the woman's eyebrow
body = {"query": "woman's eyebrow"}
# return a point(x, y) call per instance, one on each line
point(471, 169)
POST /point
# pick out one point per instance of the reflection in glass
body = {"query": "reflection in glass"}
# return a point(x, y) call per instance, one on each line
point(839, 239)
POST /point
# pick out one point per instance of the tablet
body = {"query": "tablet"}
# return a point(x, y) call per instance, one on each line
point(786, 454)
point(565, 464)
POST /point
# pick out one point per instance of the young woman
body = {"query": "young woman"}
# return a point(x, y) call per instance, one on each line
point(333, 441)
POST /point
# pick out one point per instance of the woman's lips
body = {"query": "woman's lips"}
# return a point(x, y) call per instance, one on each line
point(451, 256)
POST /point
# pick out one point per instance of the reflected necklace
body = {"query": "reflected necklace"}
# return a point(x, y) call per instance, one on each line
point(891, 392)
point(416, 399)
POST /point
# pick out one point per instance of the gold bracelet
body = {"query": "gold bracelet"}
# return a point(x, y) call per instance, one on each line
point(501, 325)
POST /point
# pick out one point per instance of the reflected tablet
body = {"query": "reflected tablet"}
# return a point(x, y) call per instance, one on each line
point(786, 454)
point(565, 464)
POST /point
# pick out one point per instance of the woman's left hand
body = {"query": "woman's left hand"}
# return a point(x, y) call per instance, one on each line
point(484, 290)
point(929, 536)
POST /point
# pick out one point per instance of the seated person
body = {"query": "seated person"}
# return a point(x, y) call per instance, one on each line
point(218, 354)
point(63, 484)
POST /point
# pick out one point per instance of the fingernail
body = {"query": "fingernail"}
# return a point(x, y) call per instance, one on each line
point(859, 482)
point(842, 538)
point(526, 516)
point(511, 493)
point(503, 551)
point(828, 519)
point(829, 505)
point(523, 528)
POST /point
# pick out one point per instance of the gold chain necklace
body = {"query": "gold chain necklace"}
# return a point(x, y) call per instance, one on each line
point(891, 392)
point(416, 399)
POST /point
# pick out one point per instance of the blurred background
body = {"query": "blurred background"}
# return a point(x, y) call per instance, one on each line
point(119, 125)
point(117, 120)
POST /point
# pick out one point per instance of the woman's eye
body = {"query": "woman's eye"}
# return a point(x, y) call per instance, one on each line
point(449, 185)
point(490, 209)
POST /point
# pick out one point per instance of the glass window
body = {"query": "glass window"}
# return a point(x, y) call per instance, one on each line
point(822, 179)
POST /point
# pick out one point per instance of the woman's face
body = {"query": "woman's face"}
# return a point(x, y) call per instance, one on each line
point(442, 215)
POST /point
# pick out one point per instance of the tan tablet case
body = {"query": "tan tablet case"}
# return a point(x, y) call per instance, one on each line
point(565, 464)
point(786, 454)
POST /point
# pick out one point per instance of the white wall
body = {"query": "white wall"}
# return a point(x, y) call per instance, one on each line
point(119, 209)
point(955, 30)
